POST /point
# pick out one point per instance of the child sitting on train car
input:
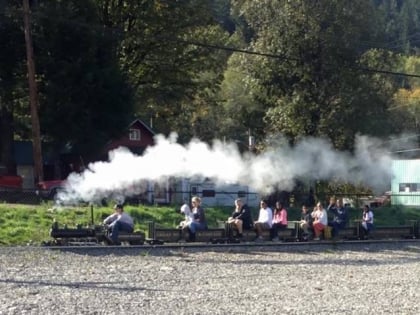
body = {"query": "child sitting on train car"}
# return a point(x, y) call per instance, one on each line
point(188, 215)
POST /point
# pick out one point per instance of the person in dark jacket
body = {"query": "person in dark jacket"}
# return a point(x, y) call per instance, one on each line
point(340, 214)
point(306, 222)
point(241, 218)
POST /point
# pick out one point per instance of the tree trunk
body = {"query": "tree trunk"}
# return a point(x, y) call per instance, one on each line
point(33, 96)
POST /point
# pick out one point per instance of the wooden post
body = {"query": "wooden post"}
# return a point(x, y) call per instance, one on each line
point(33, 96)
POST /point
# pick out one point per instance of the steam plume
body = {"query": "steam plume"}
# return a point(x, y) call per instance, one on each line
point(278, 167)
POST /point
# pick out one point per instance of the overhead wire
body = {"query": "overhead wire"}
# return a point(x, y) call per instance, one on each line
point(270, 55)
point(245, 51)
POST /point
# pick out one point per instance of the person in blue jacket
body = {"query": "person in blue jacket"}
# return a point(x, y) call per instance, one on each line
point(340, 216)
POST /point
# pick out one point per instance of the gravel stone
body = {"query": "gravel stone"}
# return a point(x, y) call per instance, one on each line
point(362, 278)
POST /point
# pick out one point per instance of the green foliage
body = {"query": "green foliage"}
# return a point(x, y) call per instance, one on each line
point(23, 224)
point(400, 21)
point(82, 86)
point(13, 100)
point(174, 79)
point(310, 86)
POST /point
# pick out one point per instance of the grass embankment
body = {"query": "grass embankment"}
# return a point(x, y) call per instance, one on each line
point(29, 224)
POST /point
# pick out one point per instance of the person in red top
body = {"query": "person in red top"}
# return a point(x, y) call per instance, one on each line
point(279, 221)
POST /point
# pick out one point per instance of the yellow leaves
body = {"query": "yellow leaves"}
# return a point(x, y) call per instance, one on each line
point(416, 93)
point(408, 96)
point(407, 100)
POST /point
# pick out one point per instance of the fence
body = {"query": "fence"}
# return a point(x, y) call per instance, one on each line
point(227, 198)
point(29, 197)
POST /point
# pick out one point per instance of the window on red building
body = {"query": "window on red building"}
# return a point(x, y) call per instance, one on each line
point(134, 134)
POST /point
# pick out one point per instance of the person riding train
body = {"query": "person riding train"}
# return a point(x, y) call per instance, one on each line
point(367, 221)
point(340, 215)
point(199, 222)
point(241, 218)
point(188, 215)
point(119, 221)
point(320, 220)
point(265, 220)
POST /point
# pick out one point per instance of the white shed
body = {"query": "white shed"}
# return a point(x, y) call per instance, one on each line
point(405, 184)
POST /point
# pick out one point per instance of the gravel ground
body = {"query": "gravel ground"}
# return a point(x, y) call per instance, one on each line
point(323, 279)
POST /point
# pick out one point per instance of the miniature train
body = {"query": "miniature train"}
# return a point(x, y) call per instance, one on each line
point(91, 235)
point(95, 235)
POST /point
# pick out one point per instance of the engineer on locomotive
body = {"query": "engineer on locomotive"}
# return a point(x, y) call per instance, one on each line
point(119, 221)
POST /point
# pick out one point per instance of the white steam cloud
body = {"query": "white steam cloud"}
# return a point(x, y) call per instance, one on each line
point(276, 168)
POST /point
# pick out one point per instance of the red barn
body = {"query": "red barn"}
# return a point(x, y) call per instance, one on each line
point(137, 138)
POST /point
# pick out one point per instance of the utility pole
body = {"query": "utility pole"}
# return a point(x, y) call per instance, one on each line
point(33, 96)
point(251, 141)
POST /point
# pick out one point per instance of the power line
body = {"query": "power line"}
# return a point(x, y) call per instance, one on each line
point(238, 50)
point(407, 150)
point(270, 55)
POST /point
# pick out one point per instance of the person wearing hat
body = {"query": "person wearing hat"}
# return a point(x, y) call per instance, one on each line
point(119, 221)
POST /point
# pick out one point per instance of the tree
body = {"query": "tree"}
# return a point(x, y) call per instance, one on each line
point(242, 114)
point(85, 99)
point(399, 20)
point(407, 100)
point(174, 78)
point(311, 84)
point(12, 70)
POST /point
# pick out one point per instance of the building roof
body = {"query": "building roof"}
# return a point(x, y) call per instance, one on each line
point(143, 124)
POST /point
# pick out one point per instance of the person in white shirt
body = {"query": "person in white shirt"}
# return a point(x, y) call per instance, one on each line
point(367, 220)
point(119, 221)
point(320, 217)
point(265, 220)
